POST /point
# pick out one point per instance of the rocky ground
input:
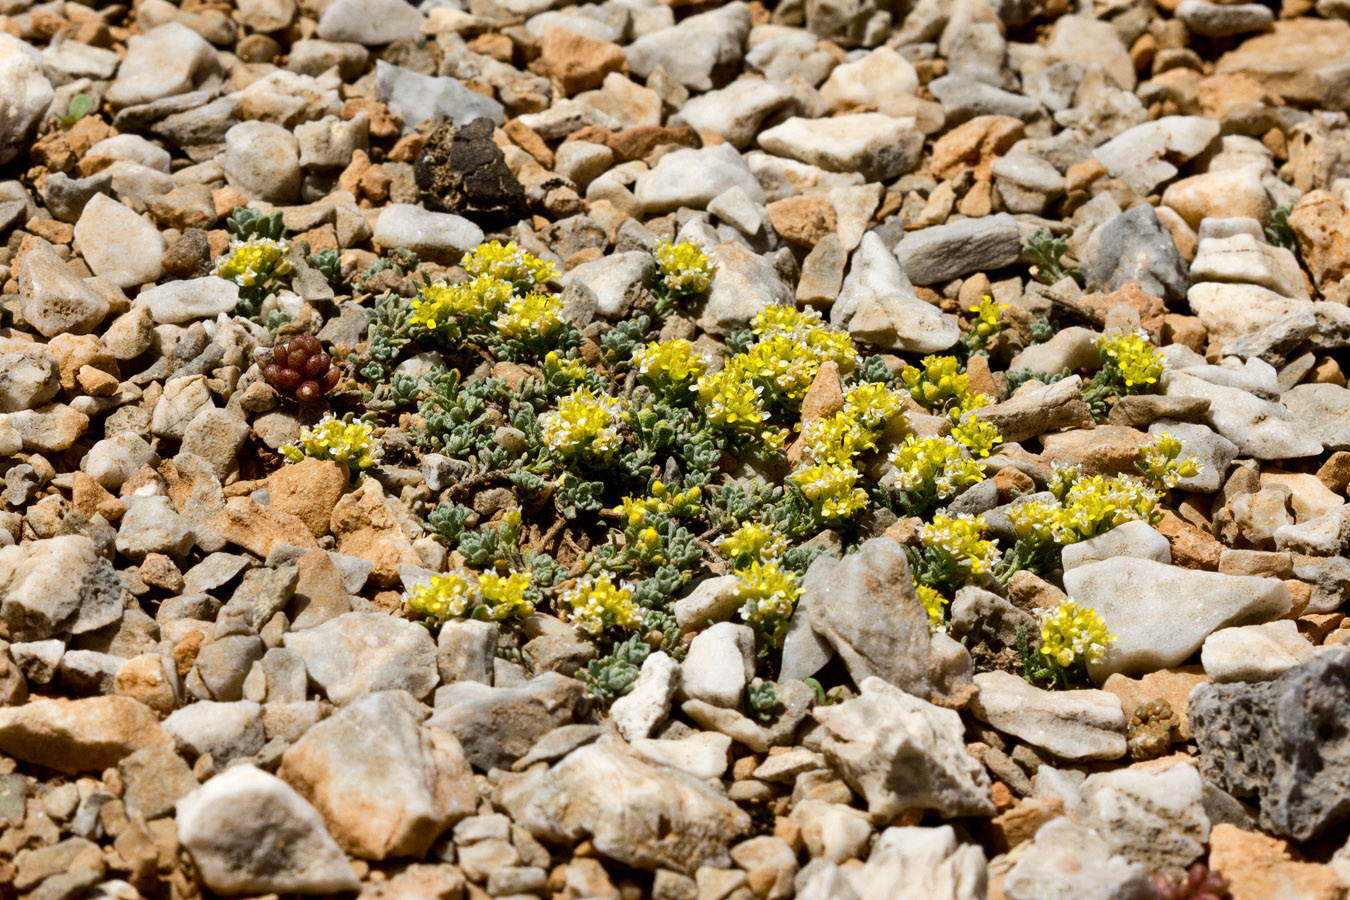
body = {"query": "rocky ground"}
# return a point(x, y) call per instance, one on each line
point(837, 449)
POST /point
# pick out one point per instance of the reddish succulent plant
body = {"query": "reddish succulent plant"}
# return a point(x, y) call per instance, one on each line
point(1199, 884)
point(301, 369)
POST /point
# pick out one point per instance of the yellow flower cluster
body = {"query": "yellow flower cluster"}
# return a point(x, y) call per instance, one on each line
point(253, 260)
point(935, 466)
point(507, 262)
point(832, 489)
point(769, 595)
point(941, 386)
point(935, 605)
point(873, 405)
point(585, 425)
point(977, 437)
point(753, 540)
point(1087, 507)
point(571, 369)
point(730, 399)
point(634, 510)
point(670, 364)
point(1138, 362)
point(1160, 466)
point(454, 595)
point(807, 328)
point(961, 539)
point(1072, 633)
point(685, 269)
point(534, 313)
point(439, 306)
point(985, 324)
point(350, 443)
point(598, 605)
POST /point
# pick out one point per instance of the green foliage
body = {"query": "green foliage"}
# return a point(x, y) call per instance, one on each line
point(1042, 330)
point(618, 345)
point(80, 106)
point(446, 521)
point(1046, 252)
point(613, 675)
point(328, 265)
point(762, 699)
point(246, 222)
point(874, 369)
point(1278, 232)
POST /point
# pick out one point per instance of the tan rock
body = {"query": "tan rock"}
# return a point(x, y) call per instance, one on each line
point(74, 352)
point(143, 678)
point(308, 490)
point(319, 592)
point(1301, 60)
point(1151, 309)
point(1322, 226)
point(87, 735)
point(1335, 472)
point(1104, 450)
point(803, 219)
point(975, 145)
point(88, 497)
point(364, 527)
point(1259, 867)
point(577, 62)
point(1191, 547)
point(1019, 824)
point(1172, 685)
point(1223, 194)
point(258, 528)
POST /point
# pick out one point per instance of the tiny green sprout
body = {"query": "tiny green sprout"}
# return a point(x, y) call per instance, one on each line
point(80, 106)
point(1046, 252)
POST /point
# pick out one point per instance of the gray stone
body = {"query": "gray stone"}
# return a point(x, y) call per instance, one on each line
point(166, 60)
point(249, 832)
point(879, 147)
point(693, 51)
point(370, 22)
point(1258, 427)
point(616, 281)
point(55, 585)
point(54, 299)
point(902, 753)
point(1281, 741)
point(693, 178)
point(152, 525)
point(498, 725)
point(1082, 724)
point(963, 98)
point(942, 252)
point(118, 244)
point(192, 298)
point(1219, 20)
point(153, 780)
point(1133, 539)
point(1068, 861)
point(878, 305)
point(358, 652)
point(1324, 410)
point(226, 731)
point(1156, 818)
point(420, 98)
point(743, 286)
point(29, 376)
point(262, 160)
point(465, 650)
point(1134, 246)
point(1143, 156)
point(1038, 408)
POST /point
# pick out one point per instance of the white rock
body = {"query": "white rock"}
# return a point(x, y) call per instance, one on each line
point(435, 236)
point(878, 146)
point(877, 304)
point(26, 96)
point(227, 731)
point(900, 752)
point(370, 22)
point(1071, 348)
point(135, 148)
point(118, 244)
point(921, 864)
point(1154, 818)
point(152, 525)
point(1091, 43)
point(262, 161)
point(582, 161)
point(38, 660)
point(54, 585)
point(29, 376)
point(330, 142)
point(182, 399)
point(192, 298)
point(736, 111)
point(1082, 724)
point(1140, 156)
point(734, 207)
point(54, 299)
point(1254, 652)
point(1161, 614)
point(703, 754)
point(1244, 259)
point(743, 286)
point(355, 653)
point(711, 600)
point(1212, 451)
point(615, 280)
point(636, 713)
point(720, 663)
point(879, 80)
point(1134, 539)
point(1230, 311)
point(167, 60)
point(1308, 496)
point(1325, 535)
point(693, 178)
point(419, 98)
point(1259, 428)
point(249, 832)
point(1072, 862)
point(691, 51)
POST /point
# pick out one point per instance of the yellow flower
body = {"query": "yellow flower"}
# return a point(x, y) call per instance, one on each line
point(572, 369)
point(504, 596)
point(768, 596)
point(1159, 465)
point(585, 424)
point(753, 540)
point(729, 399)
point(444, 597)
point(439, 306)
point(985, 324)
point(835, 440)
point(977, 437)
point(935, 605)
point(934, 465)
point(349, 443)
point(597, 605)
point(874, 405)
point(961, 538)
point(252, 261)
point(831, 489)
point(507, 262)
point(1138, 362)
point(533, 313)
point(1071, 633)
point(685, 269)
point(671, 363)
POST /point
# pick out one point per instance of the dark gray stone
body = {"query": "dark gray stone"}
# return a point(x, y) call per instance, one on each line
point(1286, 742)
point(944, 252)
point(1134, 246)
point(498, 725)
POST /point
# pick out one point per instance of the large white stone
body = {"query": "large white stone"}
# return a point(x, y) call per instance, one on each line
point(1083, 724)
point(27, 94)
point(1254, 652)
point(878, 146)
point(167, 60)
point(118, 244)
point(693, 178)
point(436, 236)
point(878, 305)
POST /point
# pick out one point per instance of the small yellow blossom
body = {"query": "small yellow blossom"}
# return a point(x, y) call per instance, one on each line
point(585, 425)
point(438, 307)
point(504, 595)
point(1071, 633)
point(672, 363)
point(534, 313)
point(835, 440)
point(961, 538)
point(874, 405)
point(753, 541)
point(572, 369)
point(598, 605)
point(1160, 466)
point(507, 262)
point(935, 605)
point(768, 596)
point(1138, 362)
point(729, 398)
point(253, 261)
point(934, 466)
point(977, 437)
point(685, 269)
point(832, 490)
point(986, 324)
point(446, 596)
point(350, 443)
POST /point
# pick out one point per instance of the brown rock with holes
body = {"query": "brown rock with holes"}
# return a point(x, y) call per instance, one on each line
point(364, 527)
point(578, 63)
point(1260, 867)
point(463, 171)
point(975, 145)
point(803, 219)
point(308, 490)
